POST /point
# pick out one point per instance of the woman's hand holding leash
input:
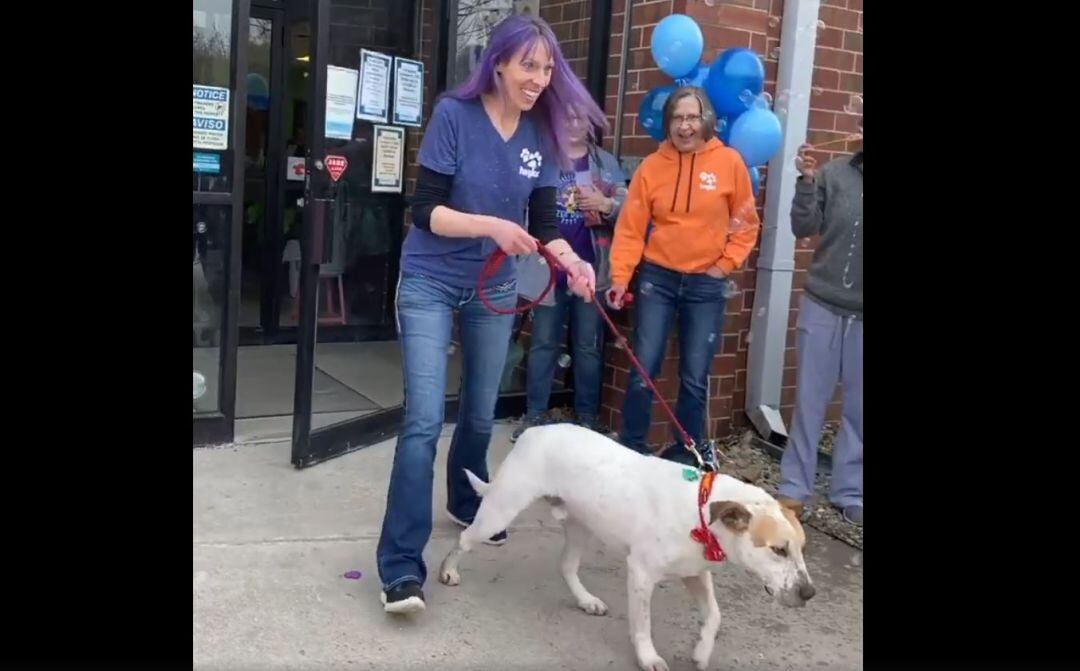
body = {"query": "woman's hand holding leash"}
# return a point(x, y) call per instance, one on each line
point(581, 278)
point(511, 238)
point(618, 297)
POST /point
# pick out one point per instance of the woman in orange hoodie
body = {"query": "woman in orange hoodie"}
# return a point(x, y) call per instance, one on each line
point(697, 194)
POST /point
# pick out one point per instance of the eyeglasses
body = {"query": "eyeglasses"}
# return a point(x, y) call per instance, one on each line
point(692, 119)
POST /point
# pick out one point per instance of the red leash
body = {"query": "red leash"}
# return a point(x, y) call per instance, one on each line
point(491, 267)
point(702, 534)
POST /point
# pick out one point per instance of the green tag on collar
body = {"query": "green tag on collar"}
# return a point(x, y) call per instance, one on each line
point(689, 474)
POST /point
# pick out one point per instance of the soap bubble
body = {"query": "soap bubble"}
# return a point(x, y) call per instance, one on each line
point(198, 385)
point(855, 104)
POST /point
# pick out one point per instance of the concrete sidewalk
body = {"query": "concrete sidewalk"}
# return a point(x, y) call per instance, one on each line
point(271, 544)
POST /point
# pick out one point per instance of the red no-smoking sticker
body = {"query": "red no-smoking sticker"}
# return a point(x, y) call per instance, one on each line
point(336, 165)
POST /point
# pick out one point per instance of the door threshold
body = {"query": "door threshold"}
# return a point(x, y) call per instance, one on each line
point(278, 428)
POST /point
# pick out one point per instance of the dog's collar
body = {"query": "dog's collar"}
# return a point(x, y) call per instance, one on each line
point(702, 533)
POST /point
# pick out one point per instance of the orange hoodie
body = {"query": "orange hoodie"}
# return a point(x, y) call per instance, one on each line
point(690, 199)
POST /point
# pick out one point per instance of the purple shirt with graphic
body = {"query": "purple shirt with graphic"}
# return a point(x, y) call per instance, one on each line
point(571, 219)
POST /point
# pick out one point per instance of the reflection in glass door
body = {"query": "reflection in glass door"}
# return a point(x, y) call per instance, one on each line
point(264, 371)
point(261, 228)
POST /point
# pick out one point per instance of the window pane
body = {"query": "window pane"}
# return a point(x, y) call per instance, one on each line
point(209, 242)
point(475, 19)
point(211, 48)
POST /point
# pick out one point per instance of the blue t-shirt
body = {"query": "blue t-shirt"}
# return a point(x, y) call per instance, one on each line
point(491, 176)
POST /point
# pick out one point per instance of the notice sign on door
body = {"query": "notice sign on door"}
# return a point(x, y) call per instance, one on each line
point(209, 164)
point(340, 102)
point(387, 161)
point(408, 92)
point(209, 117)
point(373, 98)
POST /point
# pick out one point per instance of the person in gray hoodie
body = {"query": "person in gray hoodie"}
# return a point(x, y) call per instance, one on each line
point(829, 333)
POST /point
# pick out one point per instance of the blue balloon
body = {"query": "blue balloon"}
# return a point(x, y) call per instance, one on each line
point(735, 79)
point(696, 77)
point(677, 44)
point(258, 91)
point(723, 128)
point(756, 135)
point(755, 180)
point(651, 112)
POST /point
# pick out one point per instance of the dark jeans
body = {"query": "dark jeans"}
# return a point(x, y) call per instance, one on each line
point(425, 312)
point(699, 301)
point(586, 332)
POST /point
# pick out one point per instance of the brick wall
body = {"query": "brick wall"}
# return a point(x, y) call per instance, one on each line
point(754, 24)
point(426, 53)
point(570, 21)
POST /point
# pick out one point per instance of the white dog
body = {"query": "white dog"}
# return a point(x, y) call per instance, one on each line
point(647, 506)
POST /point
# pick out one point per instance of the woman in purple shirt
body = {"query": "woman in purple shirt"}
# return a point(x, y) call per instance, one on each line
point(491, 152)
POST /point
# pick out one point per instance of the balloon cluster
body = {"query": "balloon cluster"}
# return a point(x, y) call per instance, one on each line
point(734, 83)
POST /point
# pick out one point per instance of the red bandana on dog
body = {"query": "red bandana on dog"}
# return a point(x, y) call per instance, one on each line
point(702, 534)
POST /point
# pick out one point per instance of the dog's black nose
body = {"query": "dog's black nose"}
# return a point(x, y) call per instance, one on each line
point(806, 591)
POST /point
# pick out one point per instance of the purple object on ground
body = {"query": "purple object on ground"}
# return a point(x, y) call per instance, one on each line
point(353, 575)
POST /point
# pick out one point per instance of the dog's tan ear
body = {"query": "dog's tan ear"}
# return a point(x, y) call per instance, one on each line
point(793, 520)
point(734, 515)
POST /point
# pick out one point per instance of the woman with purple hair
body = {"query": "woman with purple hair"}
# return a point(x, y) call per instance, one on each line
point(492, 152)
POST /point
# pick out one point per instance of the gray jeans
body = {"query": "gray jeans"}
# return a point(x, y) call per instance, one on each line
point(829, 350)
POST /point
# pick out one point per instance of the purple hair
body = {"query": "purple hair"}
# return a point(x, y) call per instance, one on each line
point(563, 93)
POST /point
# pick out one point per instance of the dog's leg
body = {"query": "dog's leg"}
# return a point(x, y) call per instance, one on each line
point(497, 510)
point(701, 588)
point(639, 587)
point(577, 537)
point(448, 572)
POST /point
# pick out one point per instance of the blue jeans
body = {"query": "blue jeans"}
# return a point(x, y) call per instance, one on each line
point(699, 301)
point(425, 312)
point(586, 332)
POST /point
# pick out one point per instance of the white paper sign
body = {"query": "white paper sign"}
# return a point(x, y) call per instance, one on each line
point(340, 101)
point(408, 92)
point(387, 160)
point(209, 117)
point(373, 100)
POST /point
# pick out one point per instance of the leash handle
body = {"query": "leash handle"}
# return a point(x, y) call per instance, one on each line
point(491, 267)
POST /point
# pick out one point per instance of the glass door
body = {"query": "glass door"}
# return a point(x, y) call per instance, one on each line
point(349, 390)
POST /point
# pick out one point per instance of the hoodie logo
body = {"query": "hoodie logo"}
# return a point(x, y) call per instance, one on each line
point(708, 181)
point(530, 164)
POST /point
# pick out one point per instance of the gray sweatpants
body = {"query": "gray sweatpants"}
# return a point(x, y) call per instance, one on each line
point(829, 350)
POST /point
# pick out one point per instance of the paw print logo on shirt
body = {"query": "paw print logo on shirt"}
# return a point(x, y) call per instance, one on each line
point(530, 163)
